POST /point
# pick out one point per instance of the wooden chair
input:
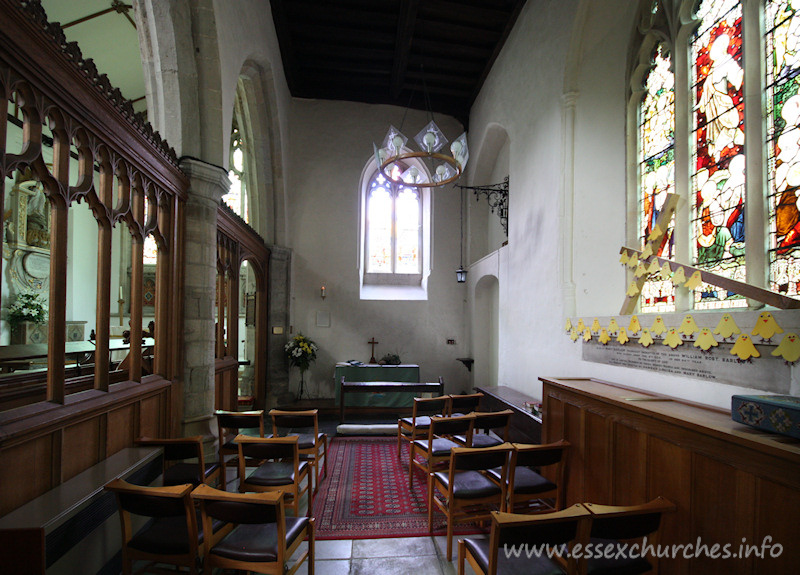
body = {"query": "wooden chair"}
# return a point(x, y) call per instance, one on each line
point(229, 425)
point(410, 428)
point(313, 445)
point(435, 449)
point(527, 488)
point(468, 494)
point(258, 537)
point(613, 525)
point(171, 537)
point(279, 468)
point(464, 403)
point(176, 452)
point(494, 421)
point(559, 529)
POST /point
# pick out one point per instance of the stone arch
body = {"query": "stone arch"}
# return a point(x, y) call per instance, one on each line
point(256, 114)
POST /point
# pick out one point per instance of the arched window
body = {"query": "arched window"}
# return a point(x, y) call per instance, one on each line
point(395, 224)
point(709, 102)
point(236, 198)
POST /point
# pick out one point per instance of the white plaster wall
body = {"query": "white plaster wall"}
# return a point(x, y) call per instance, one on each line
point(525, 93)
point(329, 145)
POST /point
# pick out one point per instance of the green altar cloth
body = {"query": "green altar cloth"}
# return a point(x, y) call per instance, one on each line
point(372, 372)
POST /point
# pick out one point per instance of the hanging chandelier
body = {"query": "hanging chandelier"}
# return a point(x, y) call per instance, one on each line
point(445, 168)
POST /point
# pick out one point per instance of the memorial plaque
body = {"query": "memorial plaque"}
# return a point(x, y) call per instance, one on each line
point(766, 372)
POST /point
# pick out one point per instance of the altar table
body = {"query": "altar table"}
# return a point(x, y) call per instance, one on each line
point(390, 387)
point(408, 373)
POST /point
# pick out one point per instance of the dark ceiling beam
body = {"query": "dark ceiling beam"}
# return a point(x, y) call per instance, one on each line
point(346, 36)
point(454, 11)
point(324, 51)
point(462, 50)
point(402, 45)
point(512, 19)
point(283, 31)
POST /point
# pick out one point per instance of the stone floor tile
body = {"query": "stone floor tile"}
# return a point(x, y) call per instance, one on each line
point(327, 567)
point(393, 547)
point(425, 565)
point(333, 549)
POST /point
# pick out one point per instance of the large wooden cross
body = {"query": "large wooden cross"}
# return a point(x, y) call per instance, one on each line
point(374, 343)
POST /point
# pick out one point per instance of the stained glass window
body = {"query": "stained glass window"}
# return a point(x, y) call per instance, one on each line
point(393, 228)
point(236, 198)
point(718, 150)
point(657, 172)
point(783, 125)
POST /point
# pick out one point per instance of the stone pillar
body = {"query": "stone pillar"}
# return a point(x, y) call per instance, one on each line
point(208, 183)
point(278, 316)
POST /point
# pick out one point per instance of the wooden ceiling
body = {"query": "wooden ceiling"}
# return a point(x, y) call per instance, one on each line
point(393, 51)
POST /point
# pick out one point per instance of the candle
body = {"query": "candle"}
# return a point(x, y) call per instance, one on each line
point(120, 293)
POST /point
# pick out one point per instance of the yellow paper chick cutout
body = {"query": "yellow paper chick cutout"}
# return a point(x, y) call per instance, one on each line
point(705, 340)
point(633, 290)
point(789, 348)
point(673, 338)
point(655, 232)
point(595, 325)
point(622, 337)
point(688, 326)
point(623, 259)
point(766, 326)
point(654, 267)
point(633, 260)
point(646, 252)
point(574, 334)
point(581, 326)
point(727, 327)
point(587, 334)
point(613, 327)
point(694, 281)
point(634, 326)
point(679, 277)
point(666, 271)
point(646, 340)
point(604, 337)
point(568, 326)
point(658, 326)
point(640, 270)
point(744, 348)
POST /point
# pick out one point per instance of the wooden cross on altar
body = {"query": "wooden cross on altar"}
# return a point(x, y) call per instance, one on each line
point(374, 343)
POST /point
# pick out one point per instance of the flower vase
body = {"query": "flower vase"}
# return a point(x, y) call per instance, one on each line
point(302, 384)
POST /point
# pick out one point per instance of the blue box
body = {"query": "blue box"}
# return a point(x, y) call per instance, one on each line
point(775, 413)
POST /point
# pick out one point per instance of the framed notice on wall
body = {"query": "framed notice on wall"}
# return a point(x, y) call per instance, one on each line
point(250, 309)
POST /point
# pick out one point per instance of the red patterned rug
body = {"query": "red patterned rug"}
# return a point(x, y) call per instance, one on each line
point(367, 495)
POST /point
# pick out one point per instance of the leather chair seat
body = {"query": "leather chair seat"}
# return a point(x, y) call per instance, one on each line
point(168, 535)
point(275, 473)
point(440, 446)
point(258, 542)
point(614, 566)
point(480, 440)
point(521, 565)
point(181, 473)
point(526, 480)
point(306, 440)
point(422, 422)
point(469, 484)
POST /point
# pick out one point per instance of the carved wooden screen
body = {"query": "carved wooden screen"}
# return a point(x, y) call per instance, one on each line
point(85, 184)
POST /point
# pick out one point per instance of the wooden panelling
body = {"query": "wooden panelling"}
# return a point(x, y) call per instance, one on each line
point(776, 524)
point(120, 429)
point(731, 485)
point(573, 432)
point(629, 472)
point(81, 447)
point(151, 417)
point(524, 427)
point(25, 472)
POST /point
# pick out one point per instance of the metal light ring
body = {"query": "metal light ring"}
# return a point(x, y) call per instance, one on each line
point(436, 156)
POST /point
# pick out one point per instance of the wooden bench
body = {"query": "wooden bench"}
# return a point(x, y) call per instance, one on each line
point(60, 532)
point(436, 388)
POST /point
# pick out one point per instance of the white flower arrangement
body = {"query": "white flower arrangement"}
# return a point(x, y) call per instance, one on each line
point(301, 351)
point(27, 306)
